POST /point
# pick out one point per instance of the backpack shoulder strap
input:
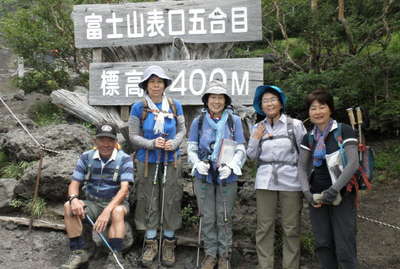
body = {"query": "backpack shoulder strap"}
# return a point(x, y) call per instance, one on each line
point(118, 161)
point(172, 106)
point(339, 138)
point(144, 111)
point(89, 166)
point(292, 136)
point(231, 125)
point(200, 126)
point(338, 135)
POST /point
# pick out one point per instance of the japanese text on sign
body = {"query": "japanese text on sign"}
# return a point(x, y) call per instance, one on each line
point(205, 21)
point(118, 83)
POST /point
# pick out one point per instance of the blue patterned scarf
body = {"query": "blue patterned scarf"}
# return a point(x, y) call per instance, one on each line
point(219, 128)
point(320, 148)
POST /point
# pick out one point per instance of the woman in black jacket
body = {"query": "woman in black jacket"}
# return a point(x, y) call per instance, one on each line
point(333, 210)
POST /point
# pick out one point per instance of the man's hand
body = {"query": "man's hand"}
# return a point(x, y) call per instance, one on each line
point(102, 221)
point(77, 208)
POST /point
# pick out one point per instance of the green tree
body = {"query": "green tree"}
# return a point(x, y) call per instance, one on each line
point(41, 31)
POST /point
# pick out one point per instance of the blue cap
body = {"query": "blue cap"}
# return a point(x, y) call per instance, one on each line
point(267, 88)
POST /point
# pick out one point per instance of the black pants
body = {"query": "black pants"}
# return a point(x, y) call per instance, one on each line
point(335, 229)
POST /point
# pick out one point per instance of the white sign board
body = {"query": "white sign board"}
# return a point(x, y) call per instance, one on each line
point(206, 21)
point(117, 83)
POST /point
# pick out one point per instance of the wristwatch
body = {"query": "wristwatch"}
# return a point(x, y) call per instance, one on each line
point(72, 197)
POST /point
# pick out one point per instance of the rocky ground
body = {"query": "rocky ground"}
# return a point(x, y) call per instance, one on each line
point(377, 244)
point(46, 248)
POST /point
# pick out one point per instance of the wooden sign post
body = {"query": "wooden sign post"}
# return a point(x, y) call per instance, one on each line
point(197, 21)
point(117, 83)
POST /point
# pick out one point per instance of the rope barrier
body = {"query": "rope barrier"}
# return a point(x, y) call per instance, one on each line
point(41, 146)
point(379, 222)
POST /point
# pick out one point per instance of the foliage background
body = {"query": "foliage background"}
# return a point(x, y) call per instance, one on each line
point(356, 56)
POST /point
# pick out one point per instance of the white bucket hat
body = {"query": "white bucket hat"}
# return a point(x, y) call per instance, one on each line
point(157, 71)
point(216, 87)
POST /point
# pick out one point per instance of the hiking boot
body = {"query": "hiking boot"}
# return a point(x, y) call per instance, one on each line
point(150, 252)
point(209, 262)
point(223, 263)
point(77, 258)
point(111, 262)
point(168, 252)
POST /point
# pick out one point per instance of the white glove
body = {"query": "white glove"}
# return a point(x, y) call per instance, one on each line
point(224, 172)
point(202, 168)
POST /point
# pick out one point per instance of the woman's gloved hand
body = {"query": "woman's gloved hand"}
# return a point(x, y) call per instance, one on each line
point(202, 167)
point(224, 172)
point(329, 196)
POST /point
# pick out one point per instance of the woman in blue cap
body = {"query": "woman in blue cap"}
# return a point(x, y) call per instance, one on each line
point(157, 128)
point(274, 143)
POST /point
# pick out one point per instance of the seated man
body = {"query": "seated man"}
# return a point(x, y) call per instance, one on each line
point(105, 173)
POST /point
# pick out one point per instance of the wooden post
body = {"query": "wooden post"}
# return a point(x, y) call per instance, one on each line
point(97, 55)
point(36, 190)
point(125, 113)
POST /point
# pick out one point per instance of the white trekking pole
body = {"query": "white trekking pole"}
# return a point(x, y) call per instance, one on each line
point(164, 180)
point(223, 183)
point(199, 232)
point(102, 237)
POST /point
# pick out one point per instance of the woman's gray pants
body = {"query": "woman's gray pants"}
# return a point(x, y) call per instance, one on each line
point(216, 233)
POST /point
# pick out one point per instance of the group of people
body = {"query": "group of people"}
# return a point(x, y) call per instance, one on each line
point(291, 165)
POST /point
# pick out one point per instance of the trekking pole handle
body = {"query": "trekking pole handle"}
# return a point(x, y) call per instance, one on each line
point(350, 113)
point(359, 115)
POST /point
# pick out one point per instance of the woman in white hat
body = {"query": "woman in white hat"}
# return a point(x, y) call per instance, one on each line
point(157, 128)
point(216, 174)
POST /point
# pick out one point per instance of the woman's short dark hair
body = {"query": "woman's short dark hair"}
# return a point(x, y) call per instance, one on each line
point(147, 81)
point(321, 96)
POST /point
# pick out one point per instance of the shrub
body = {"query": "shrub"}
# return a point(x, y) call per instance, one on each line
point(45, 113)
point(14, 170)
point(36, 207)
point(44, 81)
point(387, 163)
point(189, 219)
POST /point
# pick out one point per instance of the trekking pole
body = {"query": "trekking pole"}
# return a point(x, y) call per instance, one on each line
point(152, 195)
point(359, 122)
point(350, 113)
point(199, 242)
point(360, 140)
point(164, 180)
point(105, 242)
point(200, 224)
point(223, 183)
